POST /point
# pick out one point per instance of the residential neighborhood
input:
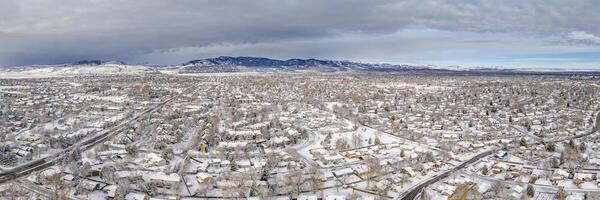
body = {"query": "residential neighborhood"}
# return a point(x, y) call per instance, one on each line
point(300, 136)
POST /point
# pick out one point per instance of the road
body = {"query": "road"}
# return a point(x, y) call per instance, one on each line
point(538, 187)
point(416, 190)
point(45, 162)
point(42, 192)
point(524, 132)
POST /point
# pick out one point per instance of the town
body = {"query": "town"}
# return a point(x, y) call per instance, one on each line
point(281, 135)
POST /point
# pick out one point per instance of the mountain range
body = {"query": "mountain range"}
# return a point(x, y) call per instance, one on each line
point(260, 64)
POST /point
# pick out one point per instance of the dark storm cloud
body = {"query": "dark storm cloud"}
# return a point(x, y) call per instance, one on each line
point(40, 31)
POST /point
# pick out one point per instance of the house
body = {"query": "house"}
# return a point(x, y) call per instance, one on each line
point(128, 176)
point(499, 167)
point(136, 196)
point(244, 135)
point(517, 191)
point(445, 189)
point(46, 175)
point(202, 147)
point(576, 196)
point(409, 171)
point(450, 136)
point(501, 154)
point(234, 145)
point(477, 145)
point(203, 178)
point(96, 170)
point(201, 167)
point(110, 191)
point(279, 141)
point(119, 153)
point(307, 197)
point(335, 197)
point(161, 179)
point(153, 160)
point(87, 186)
point(560, 174)
point(329, 159)
point(343, 172)
point(579, 178)
point(351, 154)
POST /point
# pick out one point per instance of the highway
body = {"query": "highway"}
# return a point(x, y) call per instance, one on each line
point(45, 162)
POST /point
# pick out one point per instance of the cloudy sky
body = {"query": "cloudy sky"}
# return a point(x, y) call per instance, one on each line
point(536, 33)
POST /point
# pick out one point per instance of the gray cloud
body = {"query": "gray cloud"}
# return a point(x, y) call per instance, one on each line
point(584, 37)
point(40, 31)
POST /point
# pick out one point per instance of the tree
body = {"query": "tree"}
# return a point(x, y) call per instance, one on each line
point(504, 147)
point(150, 189)
point(597, 127)
point(403, 179)
point(484, 170)
point(377, 141)
point(167, 153)
point(473, 193)
point(315, 179)
point(428, 157)
point(571, 143)
point(120, 192)
point(107, 172)
point(357, 140)
point(58, 187)
point(497, 189)
point(353, 196)
point(562, 194)
point(341, 144)
point(131, 150)
point(554, 163)
point(530, 190)
point(295, 179)
point(582, 146)
point(523, 142)
point(233, 165)
point(12, 192)
point(372, 168)
point(550, 147)
point(84, 169)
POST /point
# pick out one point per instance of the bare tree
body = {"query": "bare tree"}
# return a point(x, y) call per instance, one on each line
point(373, 168)
point(59, 189)
point(316, 179)
point(341, 144)
point(295, 179)
point(357, 140)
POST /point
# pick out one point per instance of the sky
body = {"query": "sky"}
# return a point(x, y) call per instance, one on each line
point(523, 34)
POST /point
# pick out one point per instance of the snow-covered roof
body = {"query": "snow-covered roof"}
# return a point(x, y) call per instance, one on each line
point(342, 172)
point(160, 176)
point(307, 197)
point(135, 196)
point(335, 197)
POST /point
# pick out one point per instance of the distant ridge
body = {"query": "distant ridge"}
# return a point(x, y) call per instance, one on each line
point(227, 63)
point(98, 62)
point(261, 64)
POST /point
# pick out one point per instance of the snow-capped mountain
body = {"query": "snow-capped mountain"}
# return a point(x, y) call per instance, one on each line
point(259, 64)
point(226, 63)
point(84, 67)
